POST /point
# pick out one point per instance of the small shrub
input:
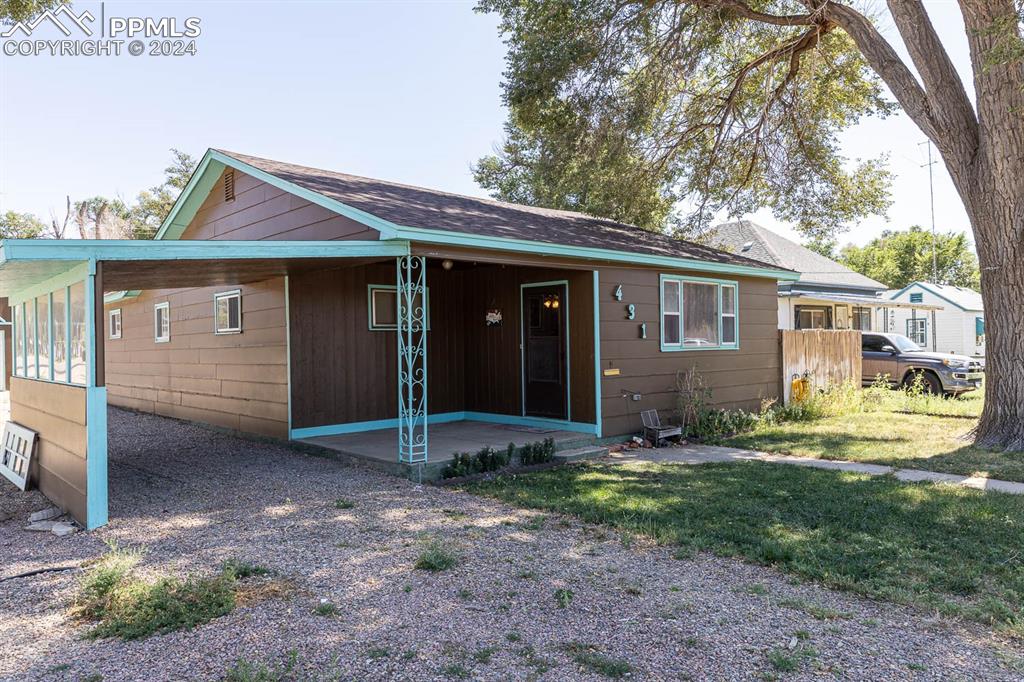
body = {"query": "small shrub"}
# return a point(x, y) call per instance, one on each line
point(456, 670)
point(342, 503)
point(377, 652)
point(241, 569)
point(326, 609)
point(483, 655)
point(465, 464)
point(436, 557)
point(538, 453)
point(563, 597)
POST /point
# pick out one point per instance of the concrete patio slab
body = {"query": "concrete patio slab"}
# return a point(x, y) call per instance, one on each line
point(705, 454)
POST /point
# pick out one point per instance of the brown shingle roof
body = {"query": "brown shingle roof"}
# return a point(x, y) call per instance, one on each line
point(410, 206)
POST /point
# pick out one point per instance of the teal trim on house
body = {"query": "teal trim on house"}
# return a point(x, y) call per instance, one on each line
point(448, 238)
point(374, 425)
point(924, 285)
point(191, 198)
point(444, 418)
point(522, 346)
point(597, 352)
point(683, 279)
point(210, 169)
point(13, 250)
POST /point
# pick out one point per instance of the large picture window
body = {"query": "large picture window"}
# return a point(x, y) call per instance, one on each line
point(698, 314)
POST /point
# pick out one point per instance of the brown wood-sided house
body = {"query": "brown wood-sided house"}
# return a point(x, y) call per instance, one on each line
point(311, 305)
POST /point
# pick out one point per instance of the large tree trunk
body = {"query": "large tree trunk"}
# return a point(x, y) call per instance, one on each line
point(982, 146)
point(992, 186)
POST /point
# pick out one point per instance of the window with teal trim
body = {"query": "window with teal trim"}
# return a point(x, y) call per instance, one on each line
point(699, 314)
point(18, 329)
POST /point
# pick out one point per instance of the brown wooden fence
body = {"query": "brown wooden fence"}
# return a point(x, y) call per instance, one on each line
point(830, 356)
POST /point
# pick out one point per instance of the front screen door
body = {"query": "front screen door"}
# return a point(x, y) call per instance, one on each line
point(545, 361)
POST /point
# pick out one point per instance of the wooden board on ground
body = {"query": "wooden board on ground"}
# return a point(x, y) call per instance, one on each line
point(16, 456)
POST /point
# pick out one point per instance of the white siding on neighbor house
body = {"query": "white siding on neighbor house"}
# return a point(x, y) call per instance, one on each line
point(954, 327)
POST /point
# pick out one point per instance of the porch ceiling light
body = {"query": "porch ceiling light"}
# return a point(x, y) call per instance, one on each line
point(447, 264)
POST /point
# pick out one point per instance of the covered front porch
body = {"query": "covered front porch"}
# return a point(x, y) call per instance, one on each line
point(448, 438)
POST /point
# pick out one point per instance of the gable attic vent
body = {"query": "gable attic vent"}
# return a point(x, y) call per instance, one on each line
point(229, 185)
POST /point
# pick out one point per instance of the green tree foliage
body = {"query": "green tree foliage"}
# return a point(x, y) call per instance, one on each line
point(153, 205)
point(13, 11)
point(627, 109)
point(14, 225)
point(898, 258)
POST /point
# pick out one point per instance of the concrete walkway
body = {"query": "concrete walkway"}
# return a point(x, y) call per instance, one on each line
point(703, 454)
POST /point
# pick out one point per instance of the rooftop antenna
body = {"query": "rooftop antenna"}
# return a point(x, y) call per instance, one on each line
point(931, 193)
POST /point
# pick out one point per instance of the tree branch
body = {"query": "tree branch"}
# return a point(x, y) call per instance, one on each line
point(744, 10)
point(957, 120)
point(888, 65)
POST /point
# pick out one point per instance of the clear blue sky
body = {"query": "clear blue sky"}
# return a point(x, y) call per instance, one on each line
point(406, 91)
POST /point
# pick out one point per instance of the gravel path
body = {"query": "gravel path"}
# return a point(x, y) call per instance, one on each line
point(195, 498)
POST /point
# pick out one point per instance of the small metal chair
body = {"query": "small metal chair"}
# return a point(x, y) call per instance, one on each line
point(654, 431)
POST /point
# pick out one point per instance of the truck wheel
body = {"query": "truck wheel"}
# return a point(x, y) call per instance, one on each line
point(932, 385)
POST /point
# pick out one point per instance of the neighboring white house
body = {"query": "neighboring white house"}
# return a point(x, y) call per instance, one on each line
point(958, 328)
point(828, 295)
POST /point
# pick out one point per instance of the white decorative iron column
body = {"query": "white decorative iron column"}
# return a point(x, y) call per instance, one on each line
point(411, 295)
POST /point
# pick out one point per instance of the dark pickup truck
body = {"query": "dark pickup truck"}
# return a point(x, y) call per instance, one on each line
point(897, 358)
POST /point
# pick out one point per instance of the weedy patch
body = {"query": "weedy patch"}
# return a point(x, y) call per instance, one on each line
point(484, 654)
point(326, 609)
point(242, 569)
point(563, 597)
point(248, 671)
point(342, 503)
point(378, 652)
point(814, 610)
point(589, 657)
point(123, 605)
point(437, 556)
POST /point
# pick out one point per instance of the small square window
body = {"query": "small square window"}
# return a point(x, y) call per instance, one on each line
point(115, 323)
point(383, 307)
point(162, 322)
point(227, 312)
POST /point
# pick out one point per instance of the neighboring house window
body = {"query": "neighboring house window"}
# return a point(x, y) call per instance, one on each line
point(979, 331)
point(115, 323)
point(227, 312)
point(917, 298)
point(813, 317)
point(162, 322)
point(862, 319)
point(383, 307)
point(917, 330)
point(698, 314)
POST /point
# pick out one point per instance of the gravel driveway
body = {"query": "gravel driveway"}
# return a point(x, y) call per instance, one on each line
point(195, 498)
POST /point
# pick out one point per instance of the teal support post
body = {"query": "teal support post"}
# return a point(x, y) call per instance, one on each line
point(95, 404)
point(411, 303)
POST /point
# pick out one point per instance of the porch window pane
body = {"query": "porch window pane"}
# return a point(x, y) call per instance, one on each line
point(670, 313)
point(700, 314)
point(60, 338)
point(79, 336)
point(18, 313)
point(30, 339)
point(43, 308)
point(383, 304)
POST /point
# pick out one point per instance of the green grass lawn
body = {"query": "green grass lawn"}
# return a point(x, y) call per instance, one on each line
point(887, 434)
point(951, 549)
